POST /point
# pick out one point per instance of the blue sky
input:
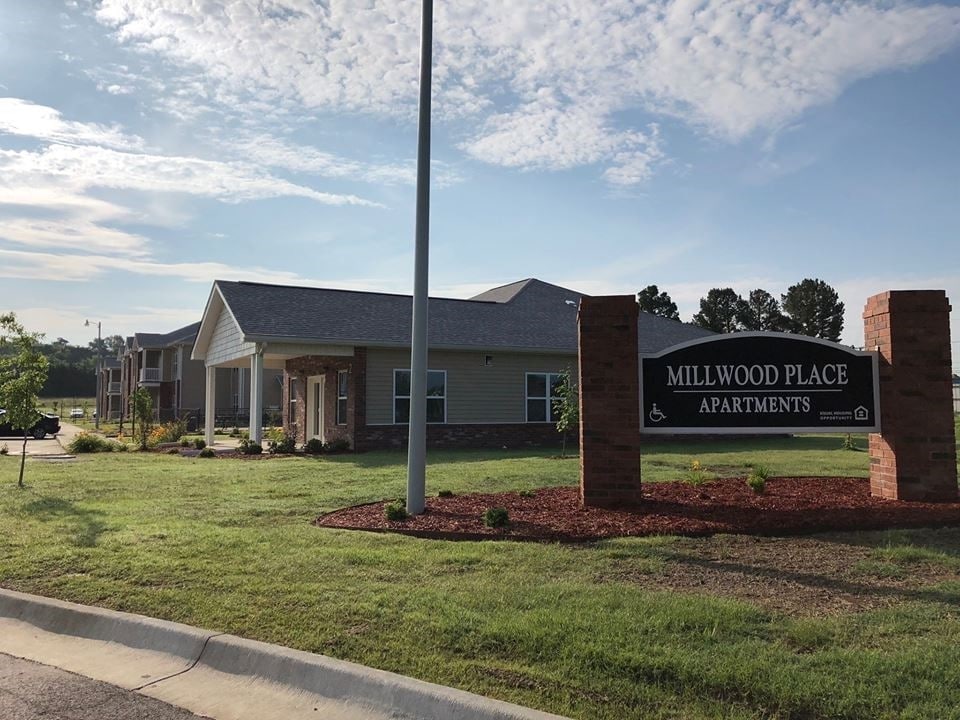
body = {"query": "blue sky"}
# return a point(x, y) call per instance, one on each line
point(148, 147)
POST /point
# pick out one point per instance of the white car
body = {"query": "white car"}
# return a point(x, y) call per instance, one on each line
point(76, 413)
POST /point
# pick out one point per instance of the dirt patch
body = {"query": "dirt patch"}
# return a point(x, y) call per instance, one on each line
point(809, 576)
point(789, 506)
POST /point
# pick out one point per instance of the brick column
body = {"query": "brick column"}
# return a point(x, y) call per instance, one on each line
point(609, 401)
point(914, 455)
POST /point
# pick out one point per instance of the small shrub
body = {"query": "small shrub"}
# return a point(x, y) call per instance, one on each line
point(395, 511)
point(697, 476)
point(120, 447)
point(4, 450)
point(282, 443)
point(527, 493)
point(496, 517)
point(184, 442)
point(89, 443)
point(313, 446)
point(848, 442)
point(334, 447)
point(249, 447)
point(173, 451)
point(445, 493)
point(199, 443)
point(207, 453)
point(757, 479)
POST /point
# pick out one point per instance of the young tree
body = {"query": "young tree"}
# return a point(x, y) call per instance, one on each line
point(761, 311)
point(814, 309)
point(23, 370)
point(567, 408)
point(142, 406)
point(720, 310)
point(652, 301)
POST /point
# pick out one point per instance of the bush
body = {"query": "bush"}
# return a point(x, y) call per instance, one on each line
point(249, 447)
point(445, 493)
point(313, 446)
point(207, 453)
point(527, 493)
point(395, 511)
point(496, 517)
point(757, 479)
point(334, 447)
point(4, 450)
point(90, 443)
point(199, 443)
point(169, 432)
point(173, 451)
point(848, 443)
point(282, 443)
point(184, 442)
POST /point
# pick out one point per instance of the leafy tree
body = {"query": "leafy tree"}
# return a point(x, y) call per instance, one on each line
point(720, 310)
point(23, 370)
point(814, 309)
point(566, 408)
point(114, 343)
point(761, 311)
point(652, 301)
point(142, 405)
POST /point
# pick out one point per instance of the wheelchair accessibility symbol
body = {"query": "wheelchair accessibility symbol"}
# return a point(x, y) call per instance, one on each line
point(656, 415)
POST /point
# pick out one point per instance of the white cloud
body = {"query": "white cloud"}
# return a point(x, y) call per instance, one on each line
point(85, 167)
point(23, 265)
point(728, 66)
point(21, 117)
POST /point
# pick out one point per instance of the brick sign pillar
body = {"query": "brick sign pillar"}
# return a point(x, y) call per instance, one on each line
point(914, 455)
point(609, 401)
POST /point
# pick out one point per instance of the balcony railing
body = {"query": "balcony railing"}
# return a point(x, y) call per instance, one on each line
point(113, 388)
point(150, 375)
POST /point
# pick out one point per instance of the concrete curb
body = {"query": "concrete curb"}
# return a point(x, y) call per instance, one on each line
point(210, 655)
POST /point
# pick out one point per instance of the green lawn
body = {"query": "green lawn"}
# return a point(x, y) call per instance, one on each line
point(228, 545)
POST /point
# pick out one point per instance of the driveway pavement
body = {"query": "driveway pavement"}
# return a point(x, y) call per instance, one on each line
point(31, 691)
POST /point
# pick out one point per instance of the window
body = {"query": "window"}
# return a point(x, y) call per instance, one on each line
point(436, 396)
point(543, 393)
point(342, 379)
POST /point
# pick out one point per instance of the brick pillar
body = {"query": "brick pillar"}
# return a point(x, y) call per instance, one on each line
point(914, 455)
point(609, 401)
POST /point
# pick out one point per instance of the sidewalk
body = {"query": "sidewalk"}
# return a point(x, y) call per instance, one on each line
point(223, 676)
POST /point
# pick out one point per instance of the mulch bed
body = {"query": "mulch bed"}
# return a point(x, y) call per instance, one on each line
point(790, 506)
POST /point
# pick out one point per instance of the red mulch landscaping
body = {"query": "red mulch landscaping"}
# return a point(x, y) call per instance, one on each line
point(790, 506)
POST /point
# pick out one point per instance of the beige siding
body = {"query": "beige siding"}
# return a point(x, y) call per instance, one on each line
point(226, 343)
point(476, 393)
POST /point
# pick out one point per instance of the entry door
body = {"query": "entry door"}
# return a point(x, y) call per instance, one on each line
point(315, 407)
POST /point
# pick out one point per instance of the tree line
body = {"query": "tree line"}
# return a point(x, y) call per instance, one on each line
point(71, 370)
point(811, 307)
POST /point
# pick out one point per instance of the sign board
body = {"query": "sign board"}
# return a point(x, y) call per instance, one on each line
point(759, 382)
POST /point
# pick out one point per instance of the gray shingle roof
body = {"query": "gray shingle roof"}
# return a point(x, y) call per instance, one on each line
point(184, 335)
point(530, 314)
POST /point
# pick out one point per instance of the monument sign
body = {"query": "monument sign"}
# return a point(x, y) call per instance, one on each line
point(759, 383)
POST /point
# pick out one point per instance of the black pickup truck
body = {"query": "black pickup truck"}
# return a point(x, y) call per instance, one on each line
point(46, 424)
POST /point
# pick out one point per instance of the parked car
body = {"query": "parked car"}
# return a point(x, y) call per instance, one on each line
point(76, 413)
point(46, 424)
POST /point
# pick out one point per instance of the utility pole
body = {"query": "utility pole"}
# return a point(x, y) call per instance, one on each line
point(96, 405)
point(417, 444)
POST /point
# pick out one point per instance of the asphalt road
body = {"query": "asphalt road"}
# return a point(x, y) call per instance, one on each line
point(30, 691)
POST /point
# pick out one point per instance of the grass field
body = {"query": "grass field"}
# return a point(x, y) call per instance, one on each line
point(590, 631)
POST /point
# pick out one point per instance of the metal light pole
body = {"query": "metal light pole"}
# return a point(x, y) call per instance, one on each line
point(96, 419)
point(417, 446)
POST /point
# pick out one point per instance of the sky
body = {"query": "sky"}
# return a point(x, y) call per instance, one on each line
point(148, 147)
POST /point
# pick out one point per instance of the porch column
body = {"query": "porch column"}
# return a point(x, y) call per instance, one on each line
point(256, 397)
point(210, 401)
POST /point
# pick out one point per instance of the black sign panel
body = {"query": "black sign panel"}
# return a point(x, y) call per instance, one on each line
point(759, 383)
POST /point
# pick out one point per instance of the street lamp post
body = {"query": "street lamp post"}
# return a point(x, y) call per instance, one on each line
point(417, 443)
point(96, 419)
